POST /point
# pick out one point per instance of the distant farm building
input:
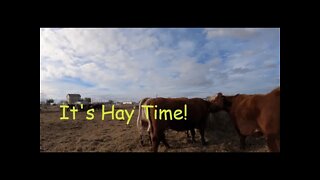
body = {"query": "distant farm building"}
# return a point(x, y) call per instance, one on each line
point(127, 102)
point(73, 98)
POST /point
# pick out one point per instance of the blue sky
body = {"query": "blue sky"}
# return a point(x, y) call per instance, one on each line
point(132, 63)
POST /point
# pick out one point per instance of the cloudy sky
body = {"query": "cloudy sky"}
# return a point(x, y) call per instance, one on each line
point(131, 63)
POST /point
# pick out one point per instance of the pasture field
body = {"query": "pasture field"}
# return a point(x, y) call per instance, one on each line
point(95, 135)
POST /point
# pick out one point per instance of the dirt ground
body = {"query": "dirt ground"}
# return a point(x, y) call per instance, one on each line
point(82, 135)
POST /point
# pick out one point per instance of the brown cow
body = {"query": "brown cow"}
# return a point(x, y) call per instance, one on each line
point(254, 114)
point(143, 122)
point(197, 113)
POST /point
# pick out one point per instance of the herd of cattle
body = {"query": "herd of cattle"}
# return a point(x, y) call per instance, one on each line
point(251, 114)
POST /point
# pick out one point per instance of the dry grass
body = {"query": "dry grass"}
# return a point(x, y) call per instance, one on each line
point(81, 135)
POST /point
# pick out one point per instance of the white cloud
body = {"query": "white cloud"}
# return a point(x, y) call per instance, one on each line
point(230, 32)
point(134, 63)
point(186, 47)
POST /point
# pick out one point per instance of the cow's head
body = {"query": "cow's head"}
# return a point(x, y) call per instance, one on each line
point(213, 108)
point(222, 101)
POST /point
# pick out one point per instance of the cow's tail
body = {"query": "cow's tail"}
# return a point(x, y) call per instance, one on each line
point(150, 128)
point(149, 118)
point(139, 123)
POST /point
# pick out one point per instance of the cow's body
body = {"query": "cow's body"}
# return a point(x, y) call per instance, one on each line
point(197, 113)
point(254, 114)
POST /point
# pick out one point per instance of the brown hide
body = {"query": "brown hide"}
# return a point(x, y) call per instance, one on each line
point(255, 113)
point(197, 113)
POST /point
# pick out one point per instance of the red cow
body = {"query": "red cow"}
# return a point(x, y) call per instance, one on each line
point(253, 114)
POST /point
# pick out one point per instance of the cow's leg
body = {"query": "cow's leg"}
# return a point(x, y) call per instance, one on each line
point(141, 139)
point(155, 143)
point(193, 135)
point(187, 132)
point(163, 139)
point(242, 141)
point(272, 143)
point(202, 136)
point(150, 138)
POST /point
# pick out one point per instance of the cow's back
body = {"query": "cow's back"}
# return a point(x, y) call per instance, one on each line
point(197, 111)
